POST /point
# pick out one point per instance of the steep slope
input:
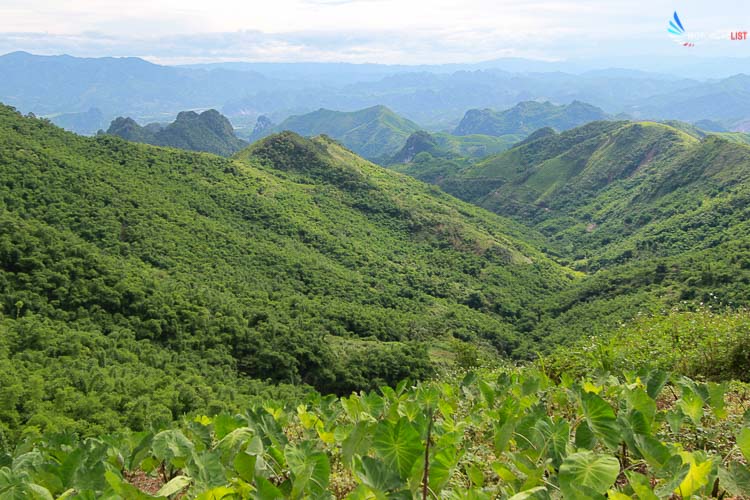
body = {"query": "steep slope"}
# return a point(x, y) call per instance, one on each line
point(209, 132)
point(594, 187)
point(526, 117)
point(653, 215)
point(375, 133)
point(179, 276)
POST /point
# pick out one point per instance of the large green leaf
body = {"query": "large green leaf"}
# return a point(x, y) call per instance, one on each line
point(653, 451)
point(735, 479)
point(587, 474)
point(19, 487)
point(655, 381)
point(175, 485)
point(538, 493)
point(555, 437)
point(641, 486)
point(743, 442)
point(585, 437)
point(172, 447)
point(266, 490)
point(207, 470)
point(310, 469)
point(692, 405)
point(377, 476)
point(357, 442)
point(697, 476)
point(716, 398)
point(399, 445)
point(601, 419)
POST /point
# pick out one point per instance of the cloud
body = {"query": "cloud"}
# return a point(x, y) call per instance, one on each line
point(392, 31)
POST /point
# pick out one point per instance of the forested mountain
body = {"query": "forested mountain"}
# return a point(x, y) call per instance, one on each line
point(653, 215)
point(208, 132)
point(375, 133)
point(142, 283)
point(442, 145)
point(526, 117)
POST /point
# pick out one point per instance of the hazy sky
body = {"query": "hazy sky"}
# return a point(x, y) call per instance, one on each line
point(391, 31)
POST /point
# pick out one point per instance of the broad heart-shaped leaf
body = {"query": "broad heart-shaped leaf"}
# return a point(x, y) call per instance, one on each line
point(554, 438)
point(266, 490)
point(697, 476)
point(443, 460)
point(655, 381)
point(716, 398)
point(691, 404)
point(377, 476)
point(601, 419)
point(538, 493)
point(616, 495)
point(310, 469)
point(743, 442)
point(638, 400)
point(641, 486)
point(206, 470)
point(357, 442)
point(220, 493)
point(172, 447)
point(584, 437)
point(587, 475)
point(673, 473)
point(173, 486)
point(244, 465)
point(18, 487)
point(652, 450)
point(736, 480)
point(399, 445)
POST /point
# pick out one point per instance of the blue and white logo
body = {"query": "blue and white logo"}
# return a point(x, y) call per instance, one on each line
point(678, 32)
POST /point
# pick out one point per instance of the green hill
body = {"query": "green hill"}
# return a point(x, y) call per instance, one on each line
point(208, 132)
point(653, 215)
point(526, 117)
point(442, 145)
point(375, 133)
point(141, 283)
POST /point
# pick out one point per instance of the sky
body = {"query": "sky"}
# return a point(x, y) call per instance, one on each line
point(375, 31)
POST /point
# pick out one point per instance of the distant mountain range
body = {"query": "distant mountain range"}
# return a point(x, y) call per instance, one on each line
point(208, 132)
point(126, 86)
point(526, 117)
point(436, 97)
point(725, 101)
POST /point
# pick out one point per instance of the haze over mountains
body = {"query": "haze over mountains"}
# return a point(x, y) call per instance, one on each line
point(434, 97)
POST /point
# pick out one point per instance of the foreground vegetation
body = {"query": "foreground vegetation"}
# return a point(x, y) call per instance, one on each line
point(483, 435)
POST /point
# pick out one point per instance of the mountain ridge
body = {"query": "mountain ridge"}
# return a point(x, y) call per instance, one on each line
point(528, 116)
point(208, 132)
